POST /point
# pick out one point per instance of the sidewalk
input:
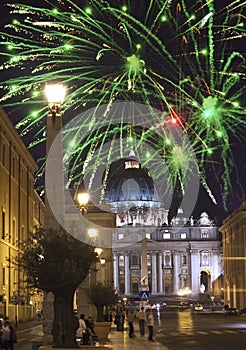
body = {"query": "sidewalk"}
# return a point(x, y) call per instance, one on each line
point(117, 340)
point(120, 340)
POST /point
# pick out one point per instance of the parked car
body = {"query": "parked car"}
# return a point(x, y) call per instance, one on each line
point(242, 311)
point(183, 305)
point(198, 307)
point(231, 311)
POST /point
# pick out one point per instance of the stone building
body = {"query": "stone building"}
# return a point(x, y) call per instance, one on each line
point(184, 254)
point(233, 232)
point(21, 211)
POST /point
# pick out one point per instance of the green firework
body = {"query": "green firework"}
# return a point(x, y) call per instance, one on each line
point(182, 57)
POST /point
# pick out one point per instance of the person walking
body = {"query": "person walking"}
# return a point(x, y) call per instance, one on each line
point(8, 336)
point(130, 319)
point(141, 315)
point(81, 331)
point(150, 324)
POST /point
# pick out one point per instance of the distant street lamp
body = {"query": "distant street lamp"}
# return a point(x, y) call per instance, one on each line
point(83, 199)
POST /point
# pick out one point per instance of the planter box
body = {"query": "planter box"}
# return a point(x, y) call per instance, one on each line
point(102, 330)
point(99, 347)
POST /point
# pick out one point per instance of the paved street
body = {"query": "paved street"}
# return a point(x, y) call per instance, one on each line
point(173, 331)
point(189, 331)
point(28, 336)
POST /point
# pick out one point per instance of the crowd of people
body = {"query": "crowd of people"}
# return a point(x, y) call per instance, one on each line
point(144, 318)
point(85, 332)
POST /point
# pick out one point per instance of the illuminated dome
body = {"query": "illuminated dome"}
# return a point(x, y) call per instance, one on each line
point(129, 182)
point(131, 194)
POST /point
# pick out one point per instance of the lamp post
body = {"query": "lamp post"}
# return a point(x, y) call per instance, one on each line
point(55, 96)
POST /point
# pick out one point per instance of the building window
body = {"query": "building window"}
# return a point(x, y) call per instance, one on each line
point(4, 277)
point(135, 288)
point(167, 260)
point(135, 261)
point(3, 224)
point(147, 235)
point(166, 235)
point(183, 235)
point(13, 231)
point(131, 164)
point(205, 259)
point(184, 260)
point(22, 233)
point(204, 234)
point(121, 261)
point(13, 167)
point(3, 154)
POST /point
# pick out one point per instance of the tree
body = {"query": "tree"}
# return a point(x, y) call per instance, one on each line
point(56, 262)
point(102, 295)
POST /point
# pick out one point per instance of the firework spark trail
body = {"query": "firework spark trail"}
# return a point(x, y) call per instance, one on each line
point(177, 56)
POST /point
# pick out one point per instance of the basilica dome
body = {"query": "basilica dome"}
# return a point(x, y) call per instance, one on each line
point(130, 191)
point(129, 182)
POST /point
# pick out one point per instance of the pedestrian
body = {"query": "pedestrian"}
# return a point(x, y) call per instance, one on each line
point(90, 332)
point(150, 324)
point(119, 320)
point(38, 313)
point(130, 320)
point(81, 331)
point(8, 336)
point(141, 315)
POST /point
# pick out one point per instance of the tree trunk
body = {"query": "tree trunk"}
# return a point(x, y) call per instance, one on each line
point(65, 322)
point(99, 313)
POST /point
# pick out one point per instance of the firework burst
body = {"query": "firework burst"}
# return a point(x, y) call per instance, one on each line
point(182, 57)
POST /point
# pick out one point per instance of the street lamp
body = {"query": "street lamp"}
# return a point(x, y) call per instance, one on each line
point(83, 199)
point(55, 94)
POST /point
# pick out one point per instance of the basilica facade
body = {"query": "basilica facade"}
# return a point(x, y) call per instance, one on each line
point(184, 255)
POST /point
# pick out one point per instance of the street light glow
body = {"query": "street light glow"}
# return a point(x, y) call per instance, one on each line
point(55, 93)
point(92, 233)
point(83, 198)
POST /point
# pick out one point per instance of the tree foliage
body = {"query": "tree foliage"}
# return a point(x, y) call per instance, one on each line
point(102, 295)
point(56, 262)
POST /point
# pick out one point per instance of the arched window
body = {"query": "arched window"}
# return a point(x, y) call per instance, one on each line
point(167, 260)
point(135, 260)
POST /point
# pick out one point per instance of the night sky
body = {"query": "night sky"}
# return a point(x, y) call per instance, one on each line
point(236, 194)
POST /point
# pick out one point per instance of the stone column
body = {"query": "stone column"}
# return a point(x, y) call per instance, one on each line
point(54, 213)
point(160, 273)
point(215, 268)
point(175, 271)
point(127, 274)
point(154, 276)
point(195, 269)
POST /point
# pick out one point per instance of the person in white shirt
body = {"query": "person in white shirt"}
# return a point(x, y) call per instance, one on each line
point(141, 315)
point(81, 331)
